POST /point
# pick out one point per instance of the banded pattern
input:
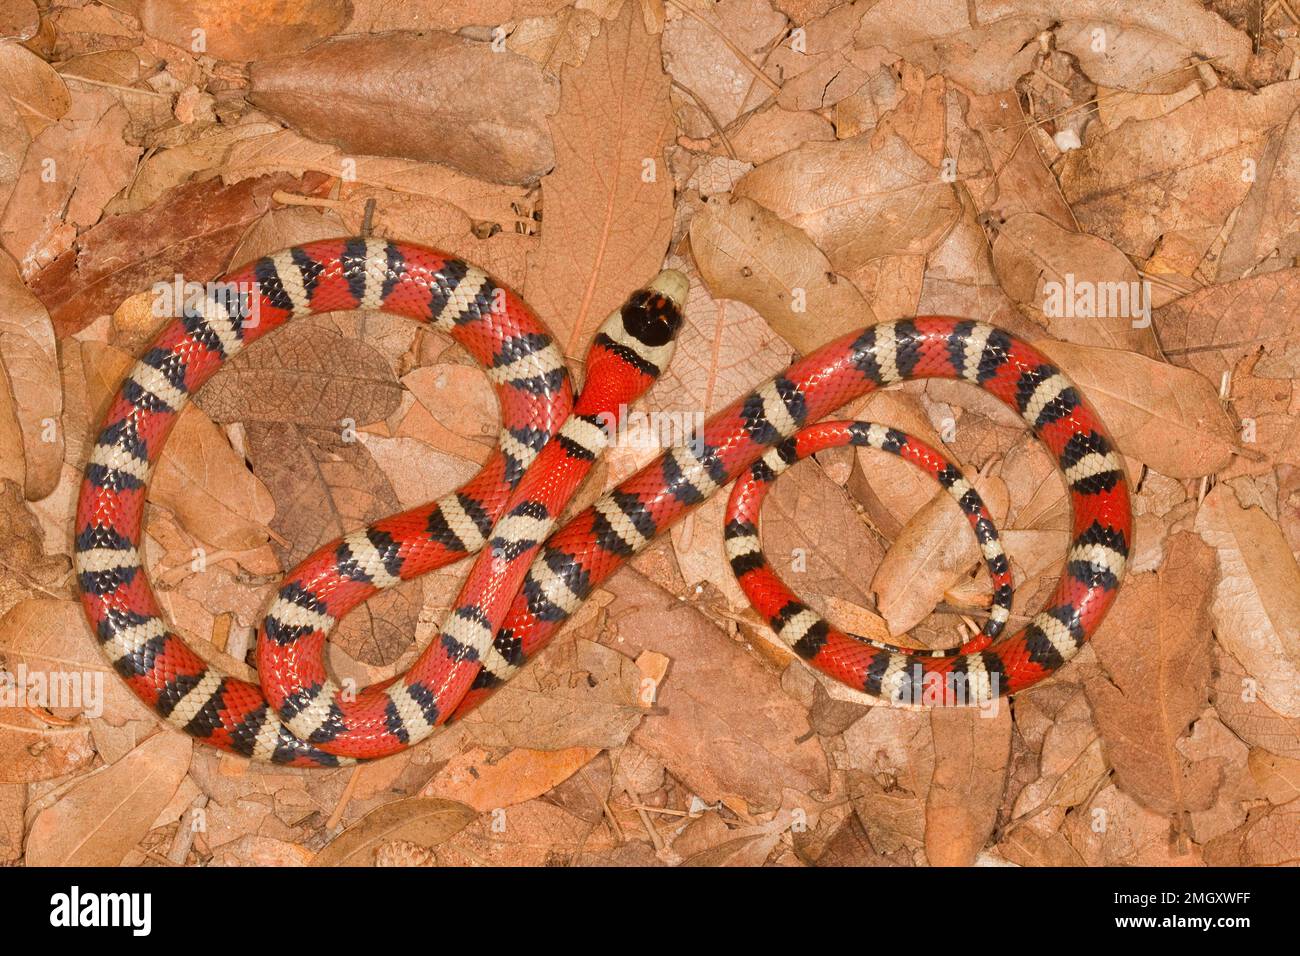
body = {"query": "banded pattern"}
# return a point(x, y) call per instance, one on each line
point(755, 433)
point(801, 628)
point(527, 578)
point(299, 721)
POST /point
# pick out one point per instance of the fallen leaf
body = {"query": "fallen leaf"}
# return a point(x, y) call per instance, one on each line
point(931, 553)
point(719, 736)
point(971, 750)
point(1256, 605)
point(1032, 254)
point(609, 198)
point(1155, 649)
point(1168, 417)
point(101, 818)
point(381, 95)
point(1174, 179)
point(745, 252)
point(208, 486)
point(858, 199)
point(987, 46)
point(1212, 329)
point(189, 232)
point(427, 821)
point(484, 782)
point(244, 31)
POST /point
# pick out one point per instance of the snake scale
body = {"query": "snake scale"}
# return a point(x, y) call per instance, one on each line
point(528, 576)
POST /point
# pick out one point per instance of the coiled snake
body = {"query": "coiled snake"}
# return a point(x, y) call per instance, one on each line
point(528, 576)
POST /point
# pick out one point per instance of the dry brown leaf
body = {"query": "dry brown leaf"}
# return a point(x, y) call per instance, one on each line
point(703, 53)
point(1212, 329)
point(244, 31)
point(971, 749)
point(1168, 417)
point(376, 16)
point(426, 821)
point(935, 549)
point(581, 694)
point(27, 351)
point(858, 199)
point(719, 736)
point(1278, 777)
point(1031, 251)
point(1155, 649)
point(101, 818)
point(609, 199)
point(535, 833)
point(987, 45)
point(33, 87)
point(208, 486)
point(1266, 230)
point(188, 231)
point(307, 374)
point(325, 487)
point(27, 569)
point(169, 168)
point(485, 781)
point(1271, 838)
point(1235, 695)
point(1115, 830)
point(891, 756)
point(61, 189)
point(745, 252)
point(382, 95)
point(556, 41)
point(1174, 180)
point(1256, 606)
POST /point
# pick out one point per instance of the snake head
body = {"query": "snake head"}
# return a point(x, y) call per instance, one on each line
point(635, 344)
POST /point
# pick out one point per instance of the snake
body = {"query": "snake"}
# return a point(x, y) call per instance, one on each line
point(530, 572)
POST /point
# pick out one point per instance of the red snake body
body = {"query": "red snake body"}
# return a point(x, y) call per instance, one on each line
point(527, 579)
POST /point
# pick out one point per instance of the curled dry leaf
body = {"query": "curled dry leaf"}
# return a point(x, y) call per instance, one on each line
point(1041, 265)
point(1256, 605)
point(987, 45)
point(383, 95)
point(1155, 649)
point(101, 818)
point(244, 31)
point(27, 350)
point(426, 821)
point(859, 199)
point(1167, 417)
point(747, 253)
point(609, 201)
